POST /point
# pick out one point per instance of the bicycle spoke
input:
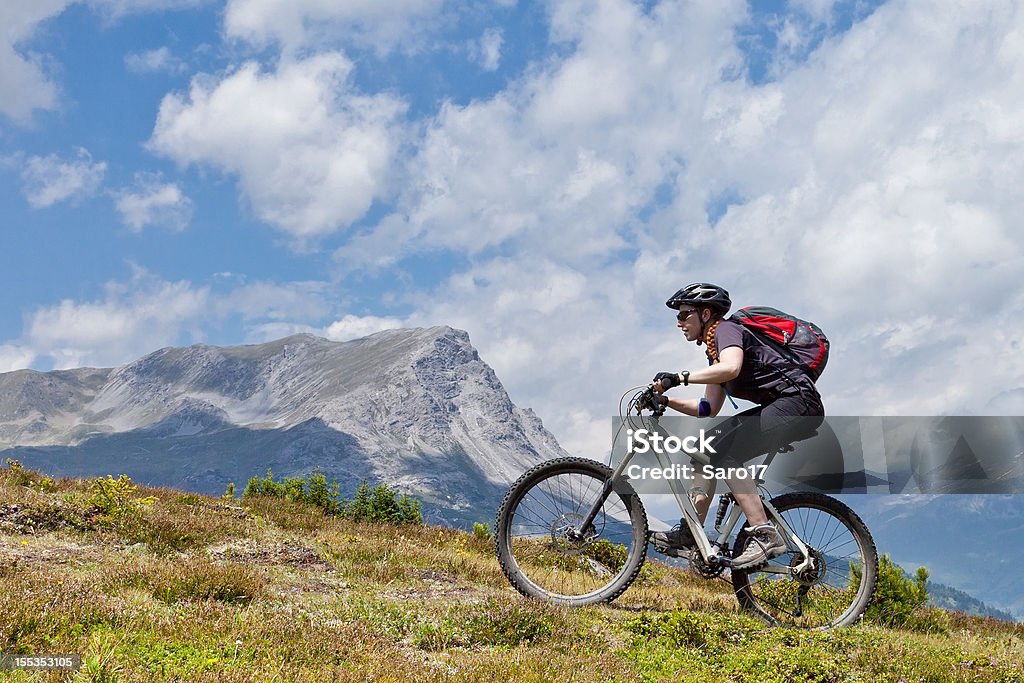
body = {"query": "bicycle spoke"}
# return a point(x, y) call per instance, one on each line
point(554, 555)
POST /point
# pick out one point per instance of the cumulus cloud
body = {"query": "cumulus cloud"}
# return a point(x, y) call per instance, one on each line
point(154, 203)
point(145, 312)
point(24, 86)
point(297, 23)
point(868, 186)
point(311, 154)
point(13, 357)
point(52, 179)
point(133, 318)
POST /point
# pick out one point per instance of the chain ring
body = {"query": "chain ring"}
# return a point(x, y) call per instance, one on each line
point(704, 569)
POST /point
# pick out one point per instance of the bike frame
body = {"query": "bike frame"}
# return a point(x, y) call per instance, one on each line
point(710, 551)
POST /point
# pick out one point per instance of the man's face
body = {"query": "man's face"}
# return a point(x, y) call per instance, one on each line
point(688, 320)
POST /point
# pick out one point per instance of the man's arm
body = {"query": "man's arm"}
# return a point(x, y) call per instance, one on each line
point(727, 369)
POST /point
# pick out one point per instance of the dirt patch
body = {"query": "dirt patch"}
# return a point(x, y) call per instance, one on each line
point(275, 554)
point(436, 584)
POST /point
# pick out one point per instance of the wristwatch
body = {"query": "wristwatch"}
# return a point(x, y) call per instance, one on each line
point(685, 374)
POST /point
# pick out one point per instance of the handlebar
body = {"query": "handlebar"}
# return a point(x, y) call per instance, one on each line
point(645, 401)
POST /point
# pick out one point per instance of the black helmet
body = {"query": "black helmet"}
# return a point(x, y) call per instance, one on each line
point(702, 294)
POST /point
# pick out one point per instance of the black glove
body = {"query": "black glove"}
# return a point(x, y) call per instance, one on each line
point(652, 401)
point(667, 379)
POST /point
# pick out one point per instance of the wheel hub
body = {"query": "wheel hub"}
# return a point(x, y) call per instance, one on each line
point(566, 534)
point(810, 575)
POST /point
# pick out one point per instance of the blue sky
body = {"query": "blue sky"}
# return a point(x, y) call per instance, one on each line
point(541, 174)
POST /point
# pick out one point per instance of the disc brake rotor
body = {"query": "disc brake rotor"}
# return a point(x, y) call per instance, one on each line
point(810, 575)
point(566, 535)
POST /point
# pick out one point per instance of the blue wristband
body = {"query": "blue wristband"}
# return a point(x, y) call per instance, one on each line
point(703, 408)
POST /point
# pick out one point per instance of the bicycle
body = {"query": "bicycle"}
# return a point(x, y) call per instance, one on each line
point(573, 531)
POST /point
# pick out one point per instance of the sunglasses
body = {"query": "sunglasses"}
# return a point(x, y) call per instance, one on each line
point(683, 315)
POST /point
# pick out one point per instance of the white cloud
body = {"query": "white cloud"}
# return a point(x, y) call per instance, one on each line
point(297, 23)
point(134, 318)
point(24, 86)
point(14, 357)
point(286, 304)
point(51, 179)
point(353, 326)
point(872, 190)
point(154, 203)
point(146, 312)
point(159, 60)
point(488, 51)
point(115, 9)
point(311, 154)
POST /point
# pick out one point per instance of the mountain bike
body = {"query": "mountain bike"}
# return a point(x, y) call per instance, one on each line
point(573, 531)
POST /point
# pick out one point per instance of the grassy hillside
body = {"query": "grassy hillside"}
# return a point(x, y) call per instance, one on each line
point(156, 584)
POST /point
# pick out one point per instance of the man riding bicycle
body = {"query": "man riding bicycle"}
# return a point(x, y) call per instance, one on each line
point(741, 365)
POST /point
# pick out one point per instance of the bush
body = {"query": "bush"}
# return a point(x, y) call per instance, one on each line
point(897, 596)
point(481, 531)
point(381, 504)
point(376, 504)
point(116, 503)
point(314, 490)
point(17, 475)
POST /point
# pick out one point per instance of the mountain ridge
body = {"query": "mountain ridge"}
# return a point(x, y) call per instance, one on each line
point(414, 407)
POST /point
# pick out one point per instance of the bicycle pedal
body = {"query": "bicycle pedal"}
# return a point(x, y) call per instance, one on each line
point(680, 553)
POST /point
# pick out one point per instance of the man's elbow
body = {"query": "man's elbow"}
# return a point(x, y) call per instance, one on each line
point(732, 372)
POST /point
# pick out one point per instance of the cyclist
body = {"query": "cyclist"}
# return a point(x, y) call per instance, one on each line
point(750, 369)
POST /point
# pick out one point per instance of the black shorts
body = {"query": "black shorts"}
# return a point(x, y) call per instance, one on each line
point(765, 429)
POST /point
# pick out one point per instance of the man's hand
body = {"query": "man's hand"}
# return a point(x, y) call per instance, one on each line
point(652, 400)
point(667, 380)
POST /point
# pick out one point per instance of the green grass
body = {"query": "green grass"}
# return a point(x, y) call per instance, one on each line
point(188, 587)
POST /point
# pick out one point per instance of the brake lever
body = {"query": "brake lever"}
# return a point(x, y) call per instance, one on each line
point(647, 402)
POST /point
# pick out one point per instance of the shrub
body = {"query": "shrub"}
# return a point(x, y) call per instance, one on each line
point(481, 531)
point(897, 596)
point(381, 504)
point(263, 487)
point(376, 504)
point(17, 475)
point(116, 503)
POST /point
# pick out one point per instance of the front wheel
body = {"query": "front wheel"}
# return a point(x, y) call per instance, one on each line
point(542, 544)
point(834, 589)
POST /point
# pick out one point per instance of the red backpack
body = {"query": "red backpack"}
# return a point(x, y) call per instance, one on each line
point(803, 340)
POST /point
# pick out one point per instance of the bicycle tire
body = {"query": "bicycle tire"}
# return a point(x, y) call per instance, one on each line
point(839, 589)
point(538, 557)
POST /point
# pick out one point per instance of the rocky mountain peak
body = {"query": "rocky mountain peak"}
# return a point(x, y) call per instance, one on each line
point(417, 408)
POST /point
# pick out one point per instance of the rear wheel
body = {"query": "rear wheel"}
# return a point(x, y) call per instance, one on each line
point(834, 589)
point(543, 548)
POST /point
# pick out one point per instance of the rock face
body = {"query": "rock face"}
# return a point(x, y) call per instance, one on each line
point(414, 408)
